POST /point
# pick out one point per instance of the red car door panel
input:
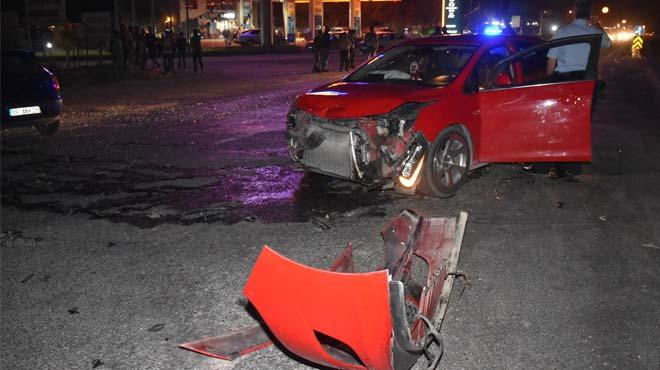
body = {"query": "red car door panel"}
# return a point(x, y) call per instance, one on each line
point(540, 118)
point(546, 123)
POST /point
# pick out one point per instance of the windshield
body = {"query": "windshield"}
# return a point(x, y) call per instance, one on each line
point(436, 65)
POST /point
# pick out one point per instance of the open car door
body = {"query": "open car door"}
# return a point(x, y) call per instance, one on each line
point(528, 115)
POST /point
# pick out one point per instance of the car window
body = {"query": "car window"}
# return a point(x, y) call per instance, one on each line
point(570, 58)
point(484, 68)
point(572, 64)
point(523, 45)
point(435, 65)
point(576, 60)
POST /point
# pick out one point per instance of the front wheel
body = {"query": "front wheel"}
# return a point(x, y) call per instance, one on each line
point(447, 164)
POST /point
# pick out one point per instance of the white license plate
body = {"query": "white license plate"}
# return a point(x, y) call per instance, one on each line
point(23, 111)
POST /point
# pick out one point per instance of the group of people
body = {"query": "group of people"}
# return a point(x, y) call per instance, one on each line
point(136, 46)
point(347, 43)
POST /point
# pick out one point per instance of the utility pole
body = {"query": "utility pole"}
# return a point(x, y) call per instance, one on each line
point(187, 21)
point(133, 12)
point(153, 24)
point(116, 7)
point(28, 25)
point(266, 10)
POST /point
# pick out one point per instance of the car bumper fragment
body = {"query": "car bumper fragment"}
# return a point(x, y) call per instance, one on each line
point(242, 342)
point(384, 319)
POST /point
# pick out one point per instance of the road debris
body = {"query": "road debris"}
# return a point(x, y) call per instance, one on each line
point(602, 218)
point(396, 320)
point(320, 223)
point(73, 311)
point(27, 278)
point(156, 328)
point(507, 179)
point(96, 363)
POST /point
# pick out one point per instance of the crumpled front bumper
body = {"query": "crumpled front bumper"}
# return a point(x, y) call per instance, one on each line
point(384, 319)
point(338, 148)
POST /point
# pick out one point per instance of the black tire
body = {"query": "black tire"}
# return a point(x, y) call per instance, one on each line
point(47, 128)
point(447, 164)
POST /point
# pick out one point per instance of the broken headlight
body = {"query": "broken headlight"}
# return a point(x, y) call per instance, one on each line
point(412, 161)
point(398, 120)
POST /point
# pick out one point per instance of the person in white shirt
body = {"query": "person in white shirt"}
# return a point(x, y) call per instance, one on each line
point(572, 58)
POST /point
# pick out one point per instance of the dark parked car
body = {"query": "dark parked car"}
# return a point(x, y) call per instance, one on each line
point(30, 93)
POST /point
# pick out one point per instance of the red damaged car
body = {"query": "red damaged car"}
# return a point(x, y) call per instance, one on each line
point(426, 111)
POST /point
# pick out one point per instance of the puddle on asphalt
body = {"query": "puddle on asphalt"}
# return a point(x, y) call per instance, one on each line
point(146, 195)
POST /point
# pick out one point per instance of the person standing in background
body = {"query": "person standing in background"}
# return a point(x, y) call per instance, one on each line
point(117, 51)
point(371, 41)
point(574, 58)
point(344, 48)
point(152, 48)
point(168, 52)
point(196, 49)
point(181, 46)
point(354, 41)
point(324, 48)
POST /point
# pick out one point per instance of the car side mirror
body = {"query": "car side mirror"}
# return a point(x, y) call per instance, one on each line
point(503, 79)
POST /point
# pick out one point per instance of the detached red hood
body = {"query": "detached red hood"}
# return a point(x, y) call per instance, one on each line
point(358, 99)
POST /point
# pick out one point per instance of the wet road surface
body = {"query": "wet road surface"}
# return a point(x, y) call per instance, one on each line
point(135, 227)
point(201, 158)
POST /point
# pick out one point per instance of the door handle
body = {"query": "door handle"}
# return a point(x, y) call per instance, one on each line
point(476, 112)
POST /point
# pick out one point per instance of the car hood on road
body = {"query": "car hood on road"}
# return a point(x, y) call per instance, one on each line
point(357, 99)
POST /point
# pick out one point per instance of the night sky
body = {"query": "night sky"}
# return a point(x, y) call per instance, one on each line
point(635, 11)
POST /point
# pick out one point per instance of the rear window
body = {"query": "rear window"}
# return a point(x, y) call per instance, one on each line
point(20, 64)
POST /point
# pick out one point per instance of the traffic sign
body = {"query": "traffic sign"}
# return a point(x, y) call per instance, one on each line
point(638, 43)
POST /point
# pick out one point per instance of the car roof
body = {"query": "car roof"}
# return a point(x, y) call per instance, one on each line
point(474, 40)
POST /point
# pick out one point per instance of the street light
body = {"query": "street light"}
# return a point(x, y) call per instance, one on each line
point(605, 10)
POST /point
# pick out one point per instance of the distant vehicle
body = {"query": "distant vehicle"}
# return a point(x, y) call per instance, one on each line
point(336, 31)
point(249, 37)
point(386, 38)
point(425, 112)
point(30, 93)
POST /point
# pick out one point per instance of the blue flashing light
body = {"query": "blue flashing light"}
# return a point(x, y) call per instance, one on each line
point(492, 31)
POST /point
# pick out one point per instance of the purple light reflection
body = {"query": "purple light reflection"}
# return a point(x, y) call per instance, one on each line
point(271, 184)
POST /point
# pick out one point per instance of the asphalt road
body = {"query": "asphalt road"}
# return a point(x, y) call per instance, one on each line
point(135, 227)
